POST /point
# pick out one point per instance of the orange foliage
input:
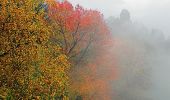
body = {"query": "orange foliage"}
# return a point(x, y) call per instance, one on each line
point(98, 68)
point(75, 25)
point(86, 40)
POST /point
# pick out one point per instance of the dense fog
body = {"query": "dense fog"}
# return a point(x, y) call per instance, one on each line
point(143, 55)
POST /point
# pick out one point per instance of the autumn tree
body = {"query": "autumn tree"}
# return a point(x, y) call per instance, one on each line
point(74, 27)
point(98, 68)
point(31, 67)
point(85, 39)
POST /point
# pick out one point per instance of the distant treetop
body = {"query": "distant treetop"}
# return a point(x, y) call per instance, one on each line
point(125, 15)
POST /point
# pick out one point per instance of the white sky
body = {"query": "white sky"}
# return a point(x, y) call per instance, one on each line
point(152, 13)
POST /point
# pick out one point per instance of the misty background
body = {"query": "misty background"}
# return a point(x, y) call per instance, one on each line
point(152, 13)
point(141, 34)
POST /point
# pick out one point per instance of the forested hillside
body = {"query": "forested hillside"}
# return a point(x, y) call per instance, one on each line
point(54, 50)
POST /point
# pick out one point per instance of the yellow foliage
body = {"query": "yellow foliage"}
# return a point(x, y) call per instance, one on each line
point(30, 66)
